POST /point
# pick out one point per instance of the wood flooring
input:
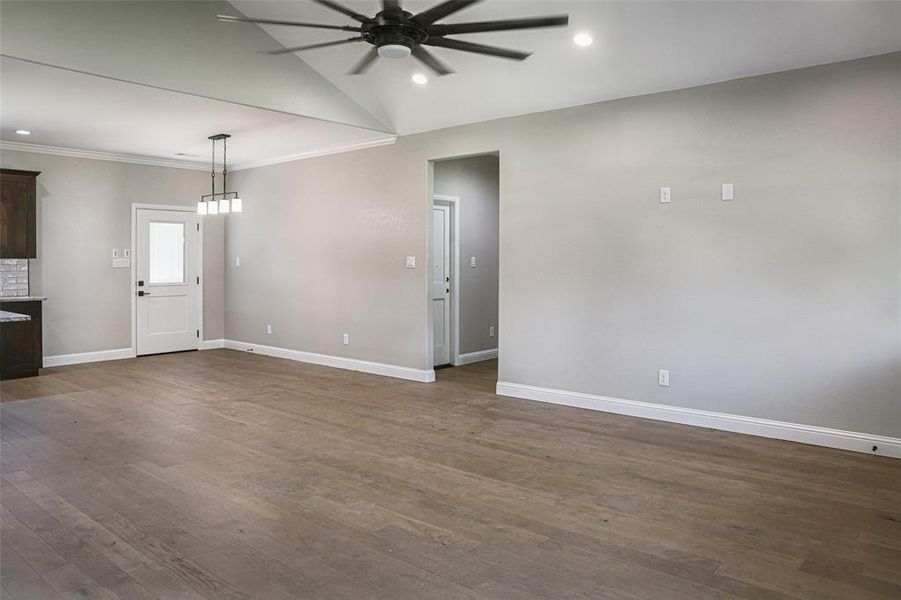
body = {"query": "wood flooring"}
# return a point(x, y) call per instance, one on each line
point(227, 475)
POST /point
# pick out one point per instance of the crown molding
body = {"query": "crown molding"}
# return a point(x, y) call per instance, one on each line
point(386, 141)
point(96, 155)
point(183, 164)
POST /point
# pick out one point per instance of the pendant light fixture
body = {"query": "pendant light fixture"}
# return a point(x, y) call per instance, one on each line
point(216, 203)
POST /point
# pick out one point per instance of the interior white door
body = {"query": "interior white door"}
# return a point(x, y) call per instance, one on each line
point(441, 284)
point(167, 268)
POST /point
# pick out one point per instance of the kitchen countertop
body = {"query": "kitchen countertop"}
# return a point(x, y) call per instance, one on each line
point(9, 317)
point(22, 298)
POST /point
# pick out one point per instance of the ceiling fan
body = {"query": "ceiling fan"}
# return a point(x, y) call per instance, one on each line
point(396, 33)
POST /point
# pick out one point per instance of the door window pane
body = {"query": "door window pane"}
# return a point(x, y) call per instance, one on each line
point(167, 252)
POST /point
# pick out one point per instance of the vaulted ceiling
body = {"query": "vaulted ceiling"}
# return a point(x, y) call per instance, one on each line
point(639, 47)
point(155, 78)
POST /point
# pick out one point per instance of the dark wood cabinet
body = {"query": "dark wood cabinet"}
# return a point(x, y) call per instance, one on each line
point(21, 346)
point(18, 214)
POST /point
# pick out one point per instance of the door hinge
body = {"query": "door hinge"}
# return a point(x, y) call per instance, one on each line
point(198, 280)
point(198, 333)
point(198, 227)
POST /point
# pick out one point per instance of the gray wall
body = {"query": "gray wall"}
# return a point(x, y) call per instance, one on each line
point(84, 211)
point(475, 182)
point(783, 304)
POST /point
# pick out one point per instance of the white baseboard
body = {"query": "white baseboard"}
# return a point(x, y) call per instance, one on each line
point(211, 344)
point(472, 357)
point(338, 362)
point(88, 357)
point(795, 432)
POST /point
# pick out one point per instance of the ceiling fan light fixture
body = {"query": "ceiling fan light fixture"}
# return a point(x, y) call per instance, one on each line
point(394, 51)
point(396, 33)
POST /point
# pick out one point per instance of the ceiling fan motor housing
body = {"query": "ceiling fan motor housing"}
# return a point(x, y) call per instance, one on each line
point(394, 33)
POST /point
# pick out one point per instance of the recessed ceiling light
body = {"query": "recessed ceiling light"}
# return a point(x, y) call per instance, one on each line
point(420, 79)
point(23, 132)
point(582, 39)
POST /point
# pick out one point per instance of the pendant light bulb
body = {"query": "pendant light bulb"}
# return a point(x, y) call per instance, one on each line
point(223, 206)
point(213, 207)
point(201, 208)
point(236, 204)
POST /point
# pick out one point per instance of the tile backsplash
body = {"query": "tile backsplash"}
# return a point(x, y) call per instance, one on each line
point(13, 277)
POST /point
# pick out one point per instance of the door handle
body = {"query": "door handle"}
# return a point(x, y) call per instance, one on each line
point(143, 293)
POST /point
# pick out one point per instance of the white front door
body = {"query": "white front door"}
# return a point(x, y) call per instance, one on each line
point(167, 268)
point(441, 275)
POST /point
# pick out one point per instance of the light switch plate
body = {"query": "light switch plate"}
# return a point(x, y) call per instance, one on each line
point(115, 253)
point(126, 253)
point(472, 262)
point(727, 192)
point(411, 262)
point(665, 195)
point(237, 261)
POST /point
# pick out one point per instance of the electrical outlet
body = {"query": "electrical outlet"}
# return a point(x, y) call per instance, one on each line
point(491, 331)
point(665, 195)
point(269, 329)
point(411, 262)
point(346, 339)
point(237, 261)
point(663, 377)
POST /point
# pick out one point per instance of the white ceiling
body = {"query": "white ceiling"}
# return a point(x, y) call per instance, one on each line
point(72, 110)
point(640, 47)
point(173, 45)
point(156, 78)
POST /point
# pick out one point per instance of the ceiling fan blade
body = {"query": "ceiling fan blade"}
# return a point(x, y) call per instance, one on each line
point(233, 19)
point(390, 5)
point(442, 10)
point(342, 9)
point(311, 46)
point(364, 63)
point(477, 48)
point(429, 60)
point(504, 25)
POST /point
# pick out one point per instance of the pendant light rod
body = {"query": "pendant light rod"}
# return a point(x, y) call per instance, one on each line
point(225, 163)
point(235, 194)
point(213, 168)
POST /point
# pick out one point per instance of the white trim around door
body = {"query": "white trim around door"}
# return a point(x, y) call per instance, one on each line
point(135, 207)
point(455, 205)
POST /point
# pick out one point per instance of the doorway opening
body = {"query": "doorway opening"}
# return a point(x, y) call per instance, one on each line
point(167, 287)
point(464, 232)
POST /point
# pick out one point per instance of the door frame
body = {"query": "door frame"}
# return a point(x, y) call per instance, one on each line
point(135, 206)
point(453, 202)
